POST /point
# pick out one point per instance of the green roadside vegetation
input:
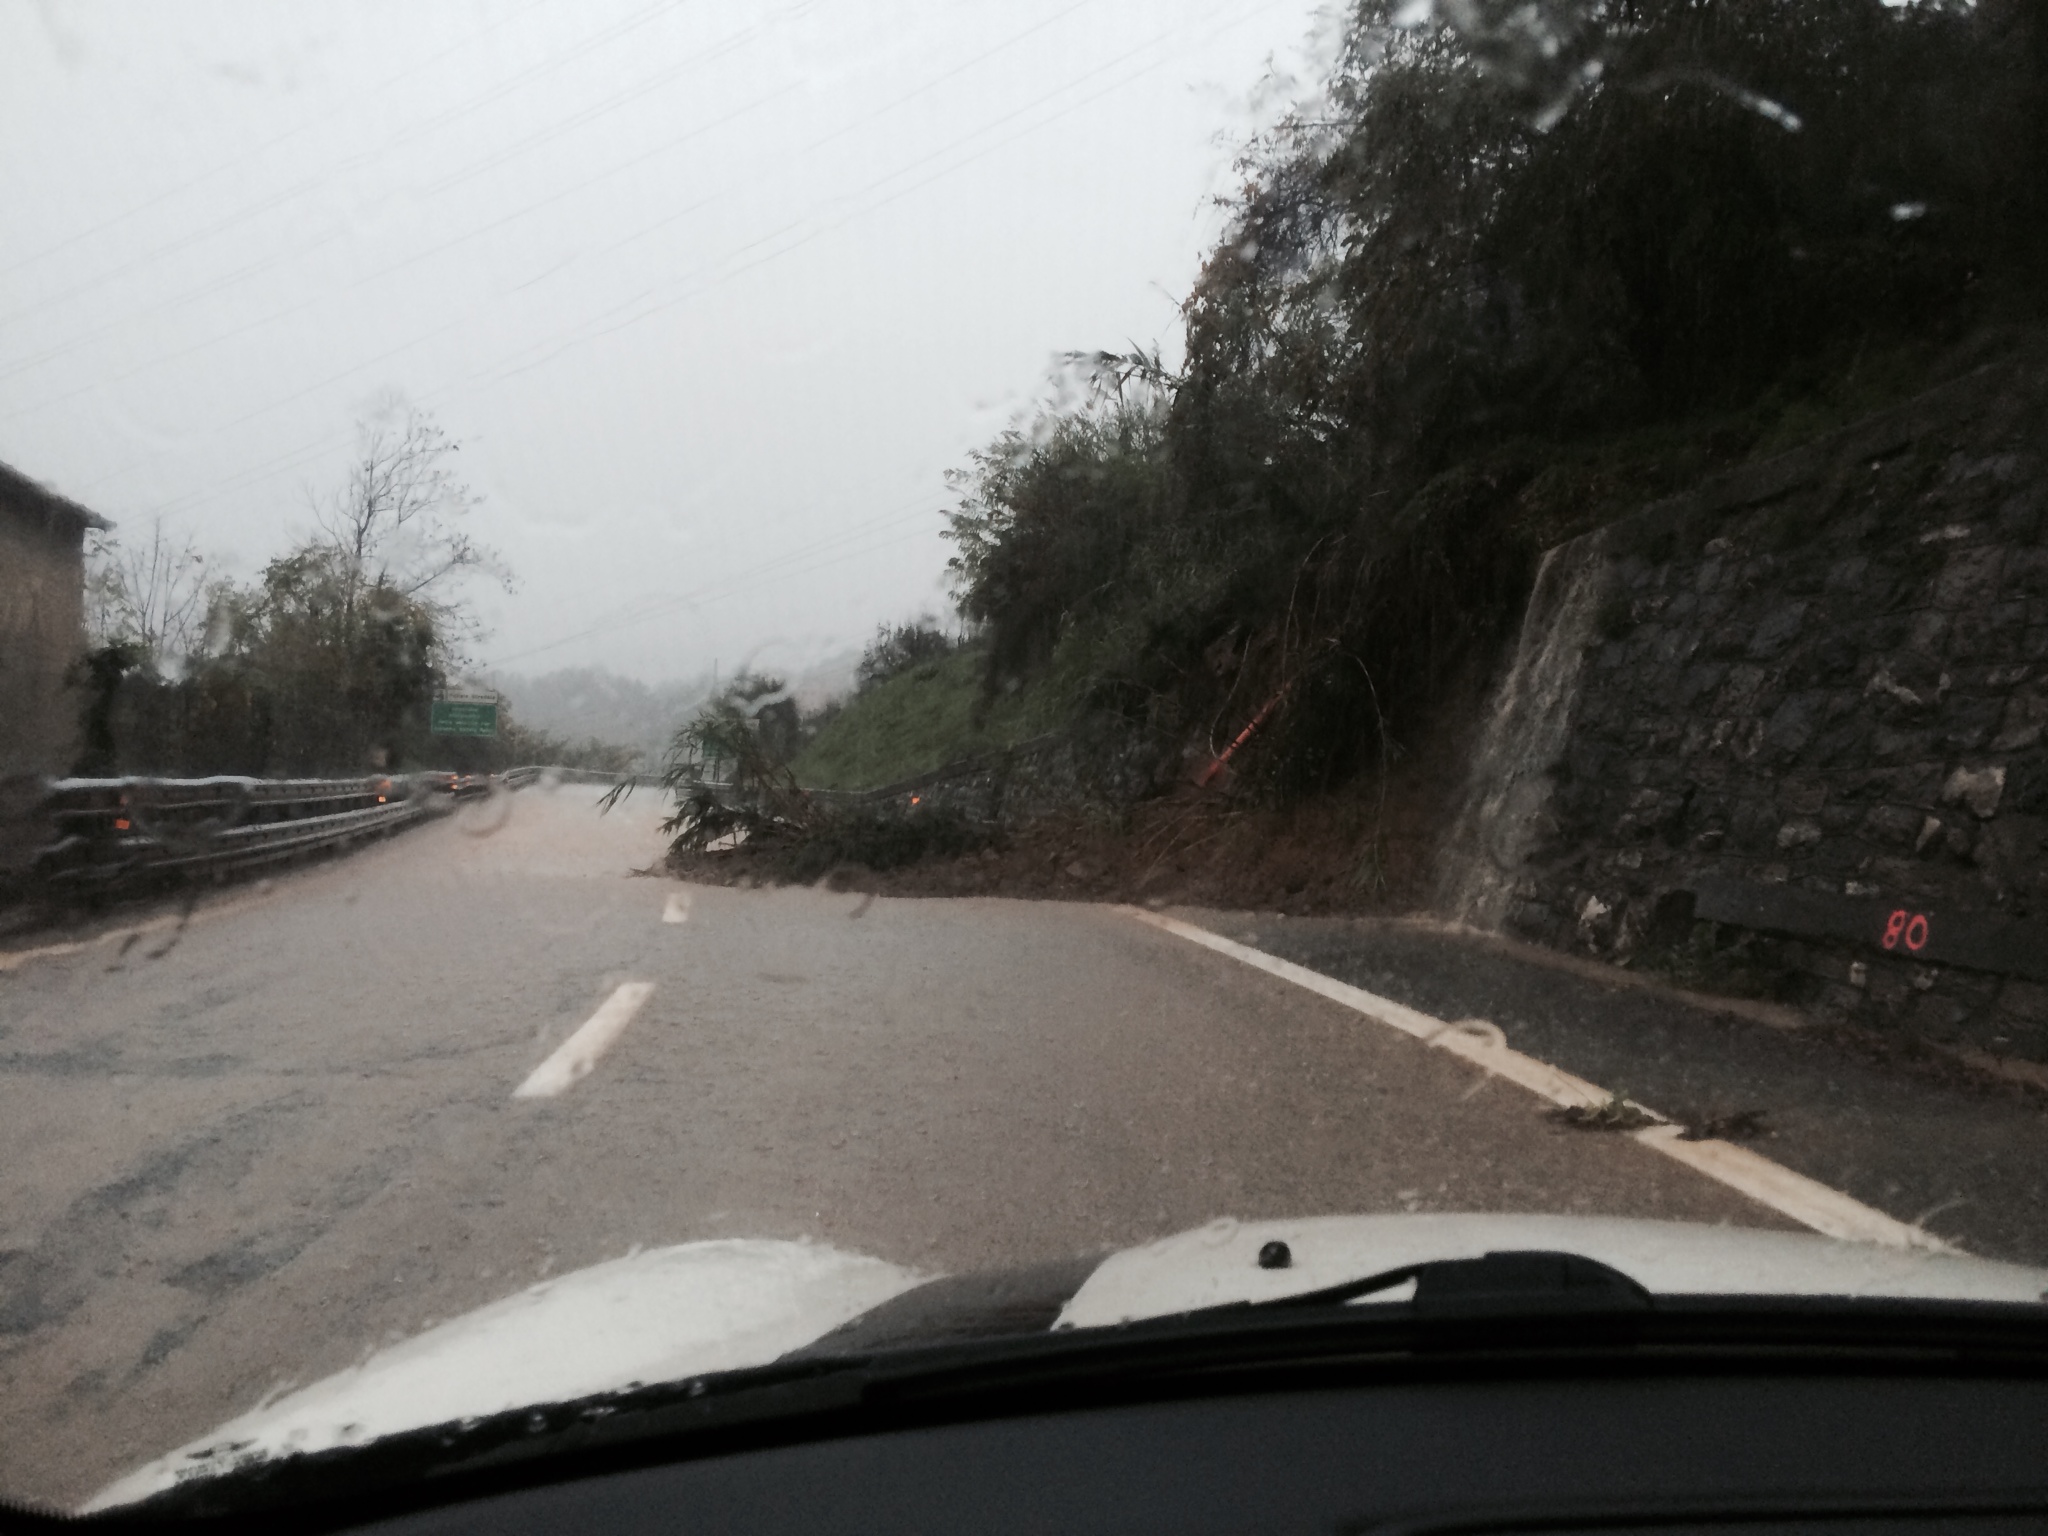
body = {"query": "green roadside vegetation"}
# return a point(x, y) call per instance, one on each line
point(1505, 274)
point(924, 718)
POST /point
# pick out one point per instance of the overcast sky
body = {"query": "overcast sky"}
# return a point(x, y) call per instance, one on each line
point(712, 294)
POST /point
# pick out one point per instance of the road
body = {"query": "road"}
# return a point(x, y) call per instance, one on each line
point(1961, 1154)
point(243, 1153)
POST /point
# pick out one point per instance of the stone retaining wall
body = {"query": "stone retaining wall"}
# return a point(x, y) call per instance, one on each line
point(1786, 730)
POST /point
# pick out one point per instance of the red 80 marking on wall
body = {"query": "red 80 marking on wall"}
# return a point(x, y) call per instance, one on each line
point(1908, 928)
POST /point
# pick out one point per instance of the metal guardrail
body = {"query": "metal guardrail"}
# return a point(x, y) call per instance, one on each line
point(109, 831)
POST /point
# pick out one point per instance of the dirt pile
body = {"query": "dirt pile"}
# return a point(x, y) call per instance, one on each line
point(1362, 848)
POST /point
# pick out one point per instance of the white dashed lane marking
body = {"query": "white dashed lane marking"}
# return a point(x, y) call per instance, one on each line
point(1805, 1200)
point(677, 908)
point(575, 1056)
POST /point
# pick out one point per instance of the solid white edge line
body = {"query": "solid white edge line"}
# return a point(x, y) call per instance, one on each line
point(1819, 1206)
point(1770, 1184)
point(575, 1056)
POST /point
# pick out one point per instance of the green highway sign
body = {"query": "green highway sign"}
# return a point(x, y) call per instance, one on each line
point(463, 717)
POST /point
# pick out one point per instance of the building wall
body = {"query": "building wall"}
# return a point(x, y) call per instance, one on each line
point(1792, 730)
point(42, 633)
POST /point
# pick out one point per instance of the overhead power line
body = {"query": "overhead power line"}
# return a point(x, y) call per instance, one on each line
point(815, 230)
point(244, 273)
point(154, 255)
point(631, 311)
point(814, 557)
point(257, 152)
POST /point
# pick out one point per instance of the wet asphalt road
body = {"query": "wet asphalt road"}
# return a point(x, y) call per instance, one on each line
point(246, 1153)
point(1963, 1156)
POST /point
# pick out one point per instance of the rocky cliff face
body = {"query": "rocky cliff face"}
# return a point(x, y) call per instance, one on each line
point(1786, 730)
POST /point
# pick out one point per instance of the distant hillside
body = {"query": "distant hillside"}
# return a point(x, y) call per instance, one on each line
point(823, 681)
point(581, 702)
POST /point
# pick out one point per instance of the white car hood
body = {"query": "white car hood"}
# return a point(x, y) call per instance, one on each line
point(1218, 1263)
point(663, 1315)
point(673, 1313)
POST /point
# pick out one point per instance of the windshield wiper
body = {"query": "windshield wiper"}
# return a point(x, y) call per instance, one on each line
point(1512, 1307)
point(1515, 1283)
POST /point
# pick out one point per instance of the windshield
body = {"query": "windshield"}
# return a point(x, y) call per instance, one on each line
point(669, 670)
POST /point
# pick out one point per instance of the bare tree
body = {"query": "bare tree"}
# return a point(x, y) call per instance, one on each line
point(152, 593)
point(396, 526)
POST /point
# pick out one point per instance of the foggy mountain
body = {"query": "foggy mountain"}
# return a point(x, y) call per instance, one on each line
point(581, 702)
